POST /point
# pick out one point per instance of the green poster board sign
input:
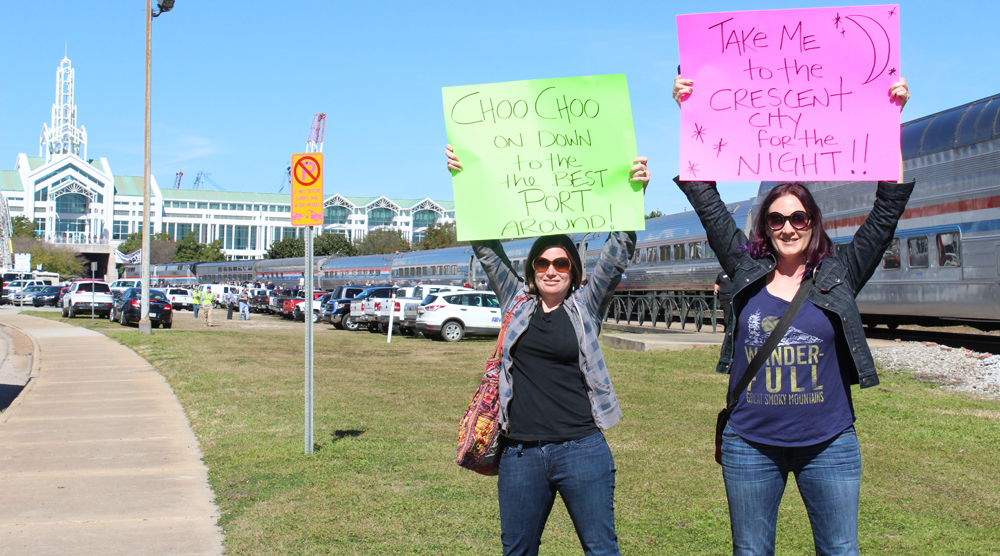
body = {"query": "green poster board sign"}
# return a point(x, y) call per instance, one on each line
point(544, 156)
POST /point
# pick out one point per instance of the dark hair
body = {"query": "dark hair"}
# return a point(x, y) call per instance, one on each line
point(539, 247)
point(820, 246)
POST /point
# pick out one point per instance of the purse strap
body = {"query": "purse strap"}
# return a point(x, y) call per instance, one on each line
point(772, 342)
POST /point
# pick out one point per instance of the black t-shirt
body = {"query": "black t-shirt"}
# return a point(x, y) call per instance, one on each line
point(550, 399)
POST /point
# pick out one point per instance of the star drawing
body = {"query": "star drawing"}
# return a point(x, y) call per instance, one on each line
point(892, 12)
point(718, 147)
point(699, 133)
point(892, 71)
point(843, 32)
point(692, 169)
point(836, 21)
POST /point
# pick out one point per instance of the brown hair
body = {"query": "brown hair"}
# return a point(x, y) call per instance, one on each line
point(543, 243)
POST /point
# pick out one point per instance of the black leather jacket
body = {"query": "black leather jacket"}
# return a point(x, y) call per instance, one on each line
point(837, 280)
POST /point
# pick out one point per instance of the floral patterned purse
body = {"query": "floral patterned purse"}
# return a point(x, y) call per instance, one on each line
point(479, 431)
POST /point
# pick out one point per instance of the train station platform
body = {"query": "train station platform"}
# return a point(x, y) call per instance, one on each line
point(96, 454)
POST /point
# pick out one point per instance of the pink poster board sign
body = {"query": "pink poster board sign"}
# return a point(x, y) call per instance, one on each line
point(790, 95)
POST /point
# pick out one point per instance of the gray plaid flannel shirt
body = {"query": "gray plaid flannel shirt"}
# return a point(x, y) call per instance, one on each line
point(586, 308)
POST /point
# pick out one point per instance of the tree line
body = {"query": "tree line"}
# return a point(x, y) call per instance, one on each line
point(164, 249)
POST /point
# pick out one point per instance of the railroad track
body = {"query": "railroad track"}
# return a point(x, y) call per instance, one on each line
point(976, 342)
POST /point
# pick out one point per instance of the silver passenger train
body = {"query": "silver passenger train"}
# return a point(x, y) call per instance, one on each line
point(943, 265)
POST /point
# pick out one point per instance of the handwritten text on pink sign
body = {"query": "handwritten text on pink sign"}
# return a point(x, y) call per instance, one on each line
point(790, 95)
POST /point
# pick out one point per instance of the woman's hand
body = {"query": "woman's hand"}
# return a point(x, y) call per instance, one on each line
point(900, 91)
point(682, 87)
point(453, 164)
point(640, 172)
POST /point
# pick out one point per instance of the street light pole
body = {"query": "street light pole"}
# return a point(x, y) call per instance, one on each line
point(144, 325)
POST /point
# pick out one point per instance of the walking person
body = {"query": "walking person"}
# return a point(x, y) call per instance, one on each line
point(796, 415)
point(230, 297)
point(556, 396)
point(196, 301)
point(244, 300)
point(207, 304)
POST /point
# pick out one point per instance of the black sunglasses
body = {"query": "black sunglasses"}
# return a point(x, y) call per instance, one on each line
point(798, 219)
point(541, 264)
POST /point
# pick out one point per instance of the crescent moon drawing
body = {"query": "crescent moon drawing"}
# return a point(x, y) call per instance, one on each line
point(879, 39)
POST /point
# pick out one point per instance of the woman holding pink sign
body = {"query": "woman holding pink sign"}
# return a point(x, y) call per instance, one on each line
point(796, 415)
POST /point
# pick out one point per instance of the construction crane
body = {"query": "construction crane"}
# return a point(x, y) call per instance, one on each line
point(203, 177)
point(6, 232)
point(177, 181)
point(314, 144)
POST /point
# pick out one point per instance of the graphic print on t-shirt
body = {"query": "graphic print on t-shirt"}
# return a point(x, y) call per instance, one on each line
point(791, 374)
point(799, 397)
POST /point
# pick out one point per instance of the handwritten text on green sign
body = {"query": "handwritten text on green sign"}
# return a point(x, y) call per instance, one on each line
point(543, 156)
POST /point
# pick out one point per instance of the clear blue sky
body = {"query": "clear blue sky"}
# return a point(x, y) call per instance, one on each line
point(235, 84)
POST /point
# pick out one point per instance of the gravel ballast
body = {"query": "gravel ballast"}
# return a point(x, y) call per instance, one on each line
point(956, 369)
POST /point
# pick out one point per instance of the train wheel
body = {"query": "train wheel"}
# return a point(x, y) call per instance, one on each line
point(699, 311)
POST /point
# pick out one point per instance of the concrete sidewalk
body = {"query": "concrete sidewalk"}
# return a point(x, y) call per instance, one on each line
point(97, 456)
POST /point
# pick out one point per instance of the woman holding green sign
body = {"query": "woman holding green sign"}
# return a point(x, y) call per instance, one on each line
point(556, 396)
point(796, 415)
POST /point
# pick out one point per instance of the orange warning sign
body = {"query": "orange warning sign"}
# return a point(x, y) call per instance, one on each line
point(307, 189)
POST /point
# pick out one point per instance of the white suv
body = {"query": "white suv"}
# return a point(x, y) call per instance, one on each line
point(452, 315)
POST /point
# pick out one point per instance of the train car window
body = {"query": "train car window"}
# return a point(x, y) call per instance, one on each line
point(986, 121)
point(709, 254)
point(679, 252)
point(664, 252)
point(918, 252)
point(694, 250)
point(948, 250)
point(423, 271)
point(911, 137)
point(635, 256)
point(440, 270)
point(968, 125)
point(651, 254)
point(642, 255)
point(890, 261)
point(940, 134)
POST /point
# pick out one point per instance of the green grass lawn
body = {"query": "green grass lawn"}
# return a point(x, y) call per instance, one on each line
point(383, 480)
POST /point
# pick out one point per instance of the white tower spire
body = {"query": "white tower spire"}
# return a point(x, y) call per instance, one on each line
point(63, 137)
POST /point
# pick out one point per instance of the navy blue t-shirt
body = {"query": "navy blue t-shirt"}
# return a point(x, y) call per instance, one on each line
point(800, 396)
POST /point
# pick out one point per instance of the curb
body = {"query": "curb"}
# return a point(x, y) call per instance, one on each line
point(36, 362)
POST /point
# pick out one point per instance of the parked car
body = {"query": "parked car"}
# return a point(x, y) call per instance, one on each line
point(363, 306)
point(180, 298)
point(13, 288)
point(339, 306)
point(299, 312)
point(408, 320)
point(453, 315)
point(127, 308)
point(119, 286)
point(27, 295)
point(48, 296)
point(87, 296)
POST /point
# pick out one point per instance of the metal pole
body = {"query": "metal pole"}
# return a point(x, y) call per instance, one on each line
point(308, 276)
point(392, 313)
point(93, 286)
point(144, 325)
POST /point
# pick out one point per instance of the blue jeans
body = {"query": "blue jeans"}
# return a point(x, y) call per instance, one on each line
point(244, 310)
point(196, 306)
point(828, 476)
point(582, 472)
